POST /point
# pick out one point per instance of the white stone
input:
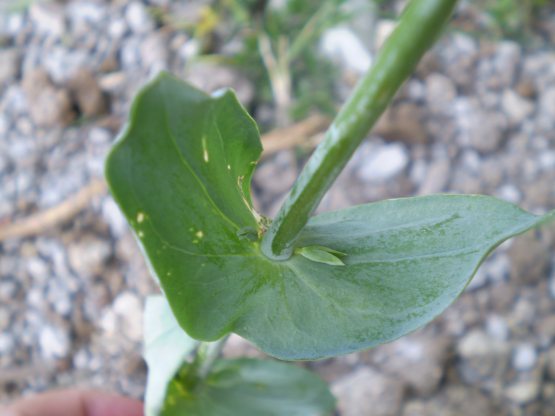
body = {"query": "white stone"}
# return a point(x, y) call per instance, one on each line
point(48, 18)
point(35, 297)
point(440, 92)
point(6, 344)
point(9, 59)
point(86, 12)
point(117, 28)
point(88, 256)
point(509, 193)
point(138, 18)
point(129, 309)
point(113, 216)
point(547, 102)
point(551, 283)
point(384, 163)
point(516, 107)
point(497, 328)
point(342, 46)
point(62, 64)
point(524, 357)
point(54, 342)
point(368, 392)
point(108, 322)
point(523, 391)
point(38, 269)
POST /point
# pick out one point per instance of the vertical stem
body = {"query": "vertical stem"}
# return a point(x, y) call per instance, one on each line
point(209, 353)
point(420, 25)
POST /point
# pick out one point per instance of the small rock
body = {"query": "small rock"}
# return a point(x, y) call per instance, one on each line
point(482, 356)
point(498, 70)
point(277, 174)
point(548, 396)
point(86, 13)
point(367, 392)
point(48, 18)
point(478, 128)
point(211, 77)
point(516, 107)
point(497, 328)
point(154, 52)
point(545, 327)
point(5, 320)
point(437, 177)
point(455, 400)
point(112, 82)
point(54, 342)
point(10, 65)
point(48, 106)
point(547, 102)
point(403, 122)
point(117, 28)
point(524, 357)
point(238, 347)
point(62, 63)
point(113, 216)
point(342, 46)
point(529, 259)
point(509, 193)
point(38, 269)
point(7, 344)
point(128, 309)
point(522, 315)
point(440, 92)
point(417, 361)
point(459, 57)
point(138, 19)
point(384, 163)
point(550, 360)
point(87, 94)
point(88, 256)
point(523, 392)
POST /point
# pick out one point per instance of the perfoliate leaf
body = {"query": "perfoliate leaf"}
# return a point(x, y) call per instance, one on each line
point(251, 387)
point(181, 174)
point(166, 348)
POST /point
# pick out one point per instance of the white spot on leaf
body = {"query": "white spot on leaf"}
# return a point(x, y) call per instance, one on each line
point(204, 150)
point(140, 217)
point(199, 234)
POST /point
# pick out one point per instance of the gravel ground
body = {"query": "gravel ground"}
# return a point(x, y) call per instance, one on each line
point(478, 117)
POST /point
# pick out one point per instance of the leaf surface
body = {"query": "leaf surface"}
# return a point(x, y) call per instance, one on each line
point(181, 174)
point(166, 348)
point(251, 387)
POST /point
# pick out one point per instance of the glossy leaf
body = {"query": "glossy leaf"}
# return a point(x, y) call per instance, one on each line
point(166, 348)
point(251, 387)
point(181, 174)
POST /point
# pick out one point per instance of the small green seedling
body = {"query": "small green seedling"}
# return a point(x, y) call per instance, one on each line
point(299, 287)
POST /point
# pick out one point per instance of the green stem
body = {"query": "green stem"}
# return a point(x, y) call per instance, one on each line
point(418, 28)
point(209, 353)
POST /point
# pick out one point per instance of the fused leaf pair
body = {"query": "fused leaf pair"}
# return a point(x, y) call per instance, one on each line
point(359, 277)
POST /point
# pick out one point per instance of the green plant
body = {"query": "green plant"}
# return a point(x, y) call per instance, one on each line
point(298, 287)
point(512, 18)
